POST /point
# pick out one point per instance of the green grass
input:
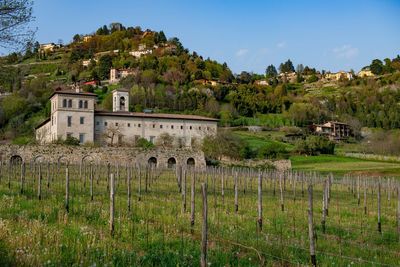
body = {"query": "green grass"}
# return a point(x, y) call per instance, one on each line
point(157, 232)
point(257, 140)
point(342, 165)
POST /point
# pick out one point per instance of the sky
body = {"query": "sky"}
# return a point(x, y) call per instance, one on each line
point(246, 34)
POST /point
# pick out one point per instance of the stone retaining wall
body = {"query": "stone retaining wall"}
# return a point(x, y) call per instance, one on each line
point(114, 155)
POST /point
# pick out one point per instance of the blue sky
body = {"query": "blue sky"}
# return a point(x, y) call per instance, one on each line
point(248, 35)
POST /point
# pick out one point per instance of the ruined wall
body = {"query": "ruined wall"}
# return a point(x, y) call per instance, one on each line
point(114, 155)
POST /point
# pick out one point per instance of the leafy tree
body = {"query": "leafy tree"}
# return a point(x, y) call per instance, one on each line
point(105, 64)
point(376, 67)
point(286, 67)
point(271, 72)
point(15, 16)
point(161, 38)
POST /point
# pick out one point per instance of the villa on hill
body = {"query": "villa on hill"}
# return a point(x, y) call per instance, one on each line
point(334, 130)
point(74, 114)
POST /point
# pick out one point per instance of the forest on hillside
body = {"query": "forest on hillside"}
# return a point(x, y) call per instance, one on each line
point(174, 79)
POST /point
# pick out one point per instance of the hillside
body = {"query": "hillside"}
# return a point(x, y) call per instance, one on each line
point(167, 77)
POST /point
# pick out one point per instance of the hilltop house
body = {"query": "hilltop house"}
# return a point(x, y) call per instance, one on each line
point(117, 74)
point(74, 114)
point(338, 75)
point(365, 73)
point(333, 130)
point(50, 47)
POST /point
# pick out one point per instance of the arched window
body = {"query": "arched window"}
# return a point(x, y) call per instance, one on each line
point(152, 161)
point(70, 103)
point(64, 103)
point(122, 103)
point(85, 104)
point(190, 161)
point(171, 162)
point(80, 103)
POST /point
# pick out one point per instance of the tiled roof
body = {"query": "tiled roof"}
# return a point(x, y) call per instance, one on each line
point(155, 115)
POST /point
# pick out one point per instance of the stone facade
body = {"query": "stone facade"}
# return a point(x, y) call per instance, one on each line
point(113, 155)
point(73, 114)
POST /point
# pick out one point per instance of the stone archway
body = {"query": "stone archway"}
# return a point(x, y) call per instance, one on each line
point(171, 163)
point(190, 161)
point(16, 160)
point(152, 161)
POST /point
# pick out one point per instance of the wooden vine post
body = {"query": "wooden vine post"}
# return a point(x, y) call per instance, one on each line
point(91, 182)
point(259, 220)
point(192, 200)
point(204, 228)
point(67, 189)
point(398, 211)
point(379, 207)
point(281, 192)
point(129, 187)
point(236, 193)
point(39, 194)
point(112, 203)
point(311, 226)
point(22, 177)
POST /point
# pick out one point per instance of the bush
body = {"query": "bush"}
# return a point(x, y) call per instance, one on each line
point(315, 145)
point(71, 141)
point(22, 140)
point(144, 143)
point(272, 151)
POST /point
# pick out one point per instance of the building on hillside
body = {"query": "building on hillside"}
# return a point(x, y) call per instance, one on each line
point(261, 82)
point(50, 47)
point(139, 53)
point(86, 38)
point(74, 114)
point(117, 74)
point(333, 130)
point(288, 76)
point(86, 63)
point(365, 73)
point(338, 75)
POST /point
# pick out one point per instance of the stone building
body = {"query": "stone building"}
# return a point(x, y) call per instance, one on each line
point(74, 114)
point(333, 129)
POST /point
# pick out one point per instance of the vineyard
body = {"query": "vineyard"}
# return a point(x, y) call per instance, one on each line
point(98, 214)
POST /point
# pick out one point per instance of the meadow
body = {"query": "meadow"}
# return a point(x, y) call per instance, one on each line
point(254, 217)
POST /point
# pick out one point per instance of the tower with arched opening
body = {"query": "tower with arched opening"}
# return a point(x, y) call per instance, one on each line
point(120, 100)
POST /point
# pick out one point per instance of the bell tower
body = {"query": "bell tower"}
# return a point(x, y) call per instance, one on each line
point(120, 100)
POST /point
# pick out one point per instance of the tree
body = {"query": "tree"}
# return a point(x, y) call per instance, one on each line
point(105, 64)
point(161, 38)
point(300, 68)
point(376, 67)
point(15, 16)
point(286, 67)
point(271, 72)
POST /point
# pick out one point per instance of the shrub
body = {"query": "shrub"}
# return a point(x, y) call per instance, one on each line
point(144, 143)
point(272, 150)
point(71, 141)
point(315, 145)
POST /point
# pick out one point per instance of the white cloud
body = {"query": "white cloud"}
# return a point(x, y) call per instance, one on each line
point(242, 52)
point(281, 44)
point(345, 51)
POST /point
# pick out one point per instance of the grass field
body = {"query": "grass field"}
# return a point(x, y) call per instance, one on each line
point(344, 165)
point(157, 232)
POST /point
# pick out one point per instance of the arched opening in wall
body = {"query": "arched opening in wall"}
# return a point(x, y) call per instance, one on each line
point(152, 161)
point(16, 160)
point(171, 163)
point(190, 161)
point(122, 103)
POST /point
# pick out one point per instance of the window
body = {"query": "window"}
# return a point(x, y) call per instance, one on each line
point(82, 120)
point(64, 103)
point(181, 127)
point(69, 121)
point(190, 127)
point(105, 123)
point(70, 103)
point(160, 126)
point(69, 135)
point(85, 104)
point(81, 138)
point(208, 128)
point(152, 139)
point(129, 125)
point(139, 125)
point(80, 104)
point(116, 124)
point(154, 126)
point(172, 126)
point(199, 127)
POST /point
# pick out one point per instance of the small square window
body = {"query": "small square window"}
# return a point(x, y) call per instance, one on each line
point(97, 123)
point(129, 125)
point(105, 123)
point(160, 126)
point(190, 127)
point(69, 121)
point(139, 125)
point(172, 126)
point(199, 127)
point(116, 124)
point(181, 127)
point(82, 120)
point(154, 126)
